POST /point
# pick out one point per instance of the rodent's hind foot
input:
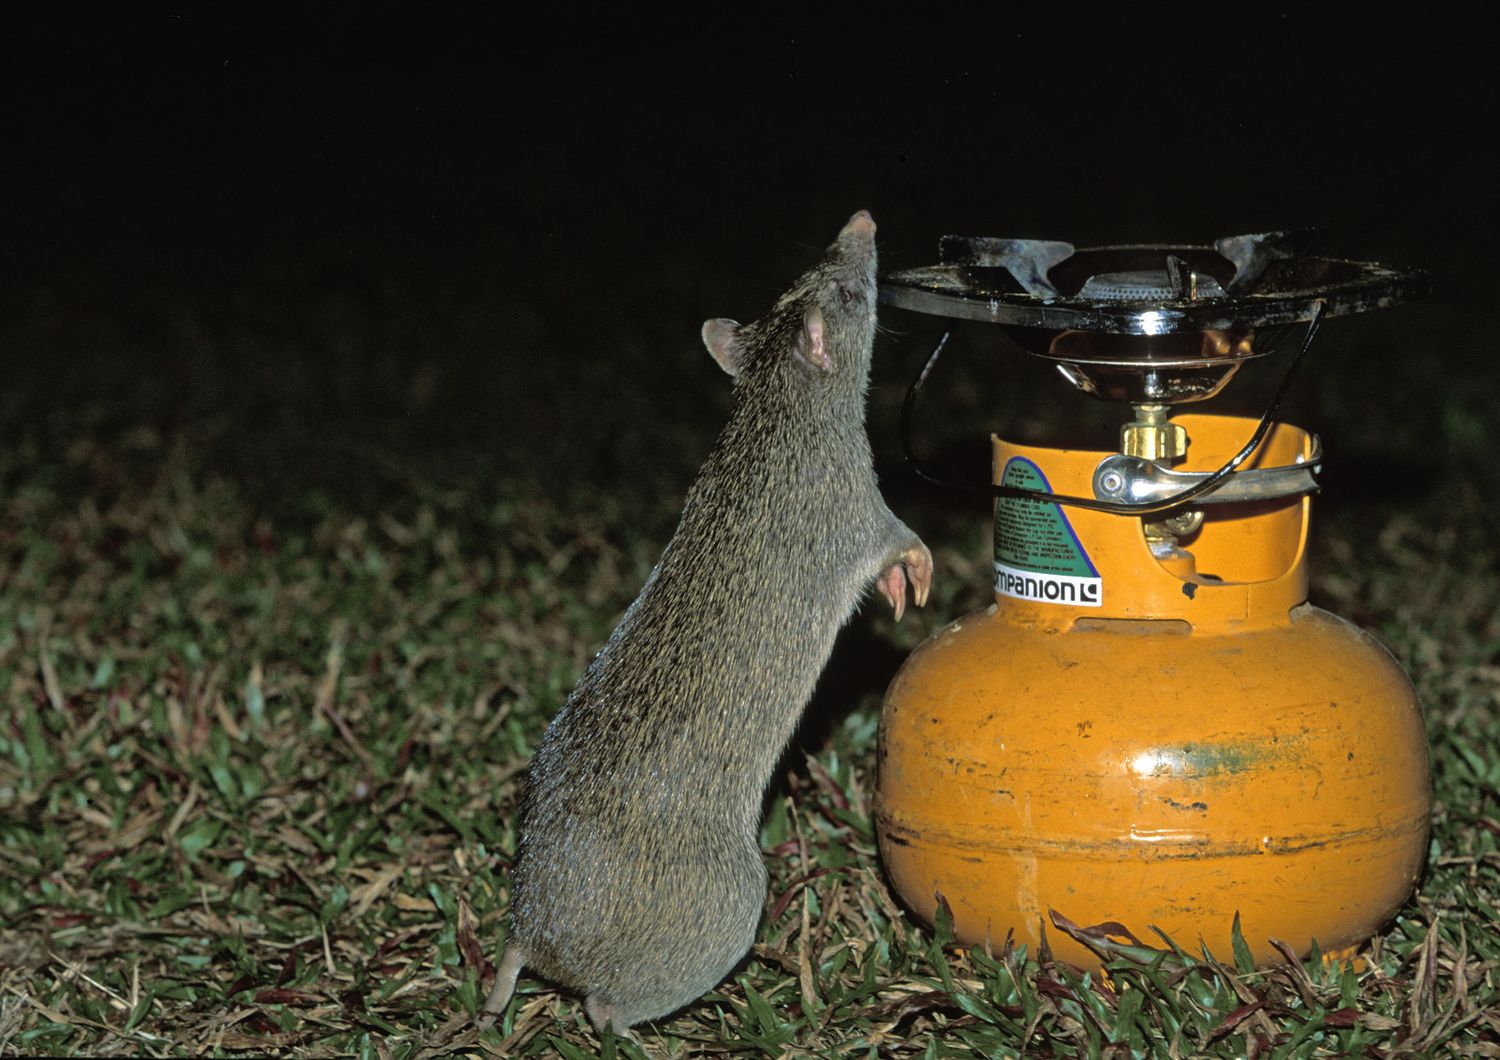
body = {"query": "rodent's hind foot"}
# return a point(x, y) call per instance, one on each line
point(604, 1016)
point(505, 985)
point(915, 563)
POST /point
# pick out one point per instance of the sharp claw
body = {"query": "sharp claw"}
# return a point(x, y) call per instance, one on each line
point(892, 585)
point(918, 563)
point(915, 566)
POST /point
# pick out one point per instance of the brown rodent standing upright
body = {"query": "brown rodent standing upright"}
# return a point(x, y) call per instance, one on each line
point(638, 881)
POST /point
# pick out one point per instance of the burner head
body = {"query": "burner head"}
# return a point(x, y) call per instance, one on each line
point(1143, 285)
point(1149, 323)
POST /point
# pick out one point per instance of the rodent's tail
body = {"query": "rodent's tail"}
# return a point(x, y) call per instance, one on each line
point(505, 985)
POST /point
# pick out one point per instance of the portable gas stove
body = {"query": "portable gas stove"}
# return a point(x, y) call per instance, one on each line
point(1152, 727)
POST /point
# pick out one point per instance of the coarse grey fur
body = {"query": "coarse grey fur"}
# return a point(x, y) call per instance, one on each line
point(638, 881)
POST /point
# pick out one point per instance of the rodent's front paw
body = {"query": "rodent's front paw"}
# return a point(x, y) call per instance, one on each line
point(915, 563)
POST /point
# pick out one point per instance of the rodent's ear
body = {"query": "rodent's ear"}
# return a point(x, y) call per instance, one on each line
point(722, 337)
point(810, 345)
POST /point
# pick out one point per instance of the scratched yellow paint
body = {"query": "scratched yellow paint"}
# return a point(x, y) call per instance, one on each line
point(1171, 757)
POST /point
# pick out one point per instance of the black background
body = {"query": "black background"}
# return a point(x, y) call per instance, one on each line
point(493, 239)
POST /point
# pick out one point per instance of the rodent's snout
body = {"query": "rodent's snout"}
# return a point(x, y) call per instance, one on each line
point(861, 224)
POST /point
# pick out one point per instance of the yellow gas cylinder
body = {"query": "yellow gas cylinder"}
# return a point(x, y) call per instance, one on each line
point(1158, 736)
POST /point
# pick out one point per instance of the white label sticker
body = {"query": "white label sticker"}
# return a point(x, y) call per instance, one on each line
point(1048, 588)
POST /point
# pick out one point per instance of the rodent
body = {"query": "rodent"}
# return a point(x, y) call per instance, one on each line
point(638, 881)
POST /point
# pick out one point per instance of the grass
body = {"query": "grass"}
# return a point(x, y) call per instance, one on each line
point(258, 778)
point(277, 640)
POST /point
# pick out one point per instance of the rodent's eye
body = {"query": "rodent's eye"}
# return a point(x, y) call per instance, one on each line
point(845, 295)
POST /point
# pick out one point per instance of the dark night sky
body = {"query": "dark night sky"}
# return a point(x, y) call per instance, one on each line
point(543, 214)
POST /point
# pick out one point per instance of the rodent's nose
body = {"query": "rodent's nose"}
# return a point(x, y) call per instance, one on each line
point(861, 224)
